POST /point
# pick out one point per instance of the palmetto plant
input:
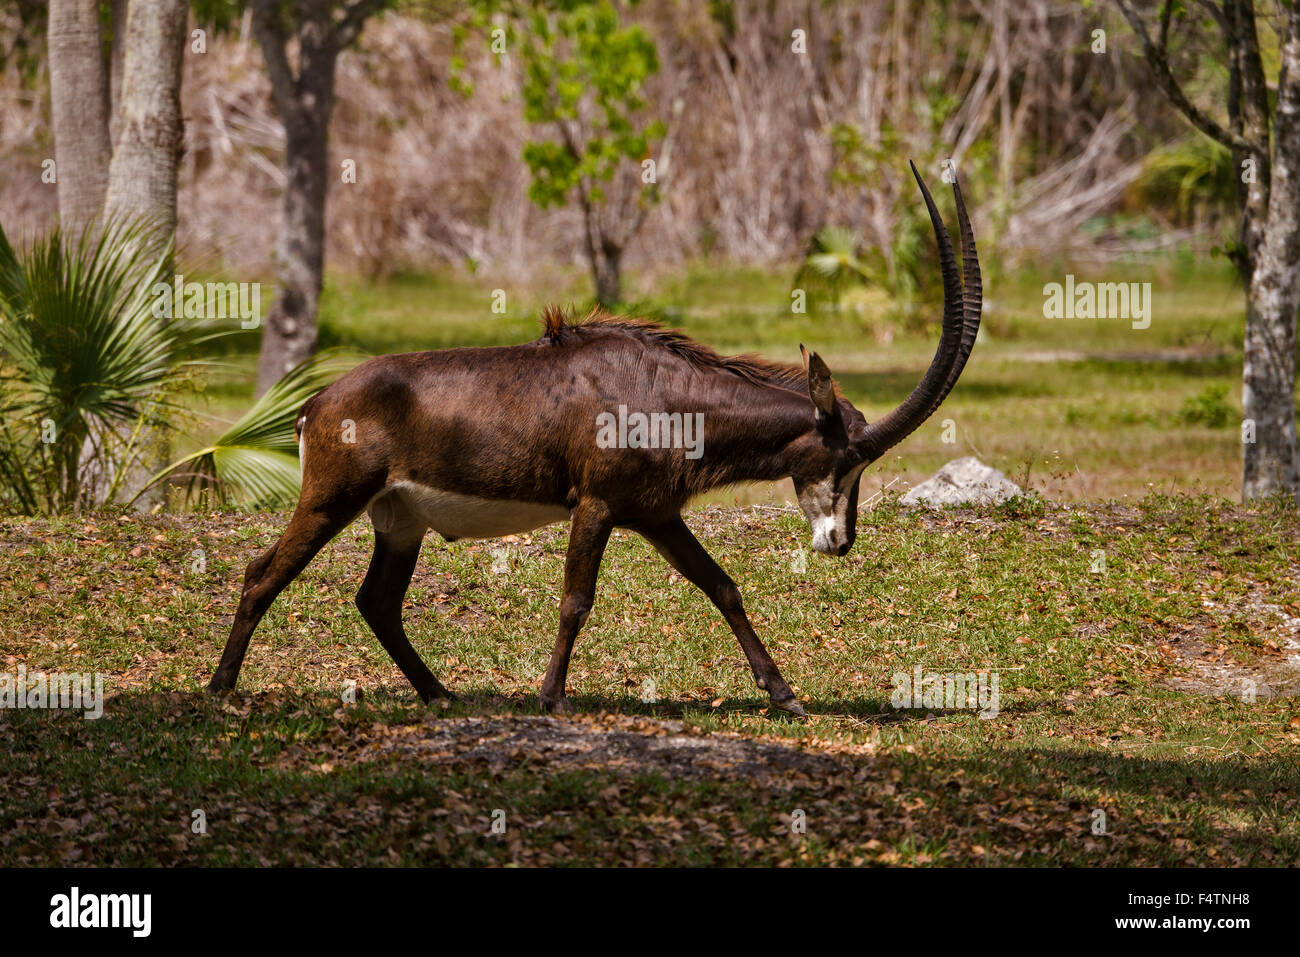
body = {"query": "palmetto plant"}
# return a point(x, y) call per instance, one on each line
point(256, 459)
point(833, 263)
point(87, 371)
point(91, 377)
point(837, 261)
point(1194, 171)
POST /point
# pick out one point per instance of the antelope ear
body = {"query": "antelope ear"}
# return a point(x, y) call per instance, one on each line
point(820, 386)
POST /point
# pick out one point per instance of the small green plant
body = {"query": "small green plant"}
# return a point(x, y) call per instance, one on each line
point(1194, 172)
point(834, 262)
point(93, 377)
point(1209, 407)
point(906, 267)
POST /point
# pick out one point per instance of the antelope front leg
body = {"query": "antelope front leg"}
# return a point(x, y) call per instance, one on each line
point(675, 542)
point(587, 538)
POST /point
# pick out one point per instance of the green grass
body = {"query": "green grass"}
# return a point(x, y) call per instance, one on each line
point(1120, 693)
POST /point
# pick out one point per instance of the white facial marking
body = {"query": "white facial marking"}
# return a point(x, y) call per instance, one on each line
point(823, 529)
point(827, 509)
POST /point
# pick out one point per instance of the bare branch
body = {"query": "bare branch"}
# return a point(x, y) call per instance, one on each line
point(1159, 63)
point(354, 18)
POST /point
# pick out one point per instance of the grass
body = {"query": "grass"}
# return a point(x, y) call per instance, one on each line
point(1121, 697)
point(1076, 409)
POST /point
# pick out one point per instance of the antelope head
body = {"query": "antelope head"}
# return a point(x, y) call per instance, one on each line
point(842, 442)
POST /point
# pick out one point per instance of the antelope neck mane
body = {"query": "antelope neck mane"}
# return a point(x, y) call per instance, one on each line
point(562, 328)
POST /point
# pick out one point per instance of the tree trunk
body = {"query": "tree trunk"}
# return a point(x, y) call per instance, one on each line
point(304, 99)
point(116, 52)
point(142, 175)
point(604, 255)
point(1271, 464)
point(79, 104)
point(289, 334)
point(607, 269)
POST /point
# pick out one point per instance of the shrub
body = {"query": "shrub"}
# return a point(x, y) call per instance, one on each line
point(1209, 407)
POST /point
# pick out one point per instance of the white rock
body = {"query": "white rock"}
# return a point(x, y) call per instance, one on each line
point(963, 481)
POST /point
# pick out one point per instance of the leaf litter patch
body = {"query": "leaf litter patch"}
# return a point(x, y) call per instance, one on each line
point(1273, 667)
point(620, 744)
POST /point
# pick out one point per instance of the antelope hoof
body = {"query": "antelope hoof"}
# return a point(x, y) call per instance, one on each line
point(558, 705)
point(441, 698)
point(791, 706)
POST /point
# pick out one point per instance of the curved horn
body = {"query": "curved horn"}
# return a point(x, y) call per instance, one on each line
point(960, 324)
point(972, 298)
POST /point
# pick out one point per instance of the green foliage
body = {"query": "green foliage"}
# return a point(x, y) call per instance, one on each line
point(906, 267)
point(219, 15)
point(1195, 172)
point(255, 461)
point(87, 371)
point(585, 73)
point(1209, 407)
point(93, 380)
point(833, 263)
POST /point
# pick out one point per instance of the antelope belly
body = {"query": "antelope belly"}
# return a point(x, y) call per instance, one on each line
point(405, 505)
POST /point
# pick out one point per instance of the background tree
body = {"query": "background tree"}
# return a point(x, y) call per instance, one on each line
point(118, 133)
point(584, 75)
point(315, 31)
point(131, 99)
point(1263, 133)
point(149, 134)
point(79, 106)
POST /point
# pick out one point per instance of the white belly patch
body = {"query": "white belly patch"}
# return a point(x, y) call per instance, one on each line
point(408, 507)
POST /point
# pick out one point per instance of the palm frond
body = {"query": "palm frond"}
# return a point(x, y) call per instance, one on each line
point(833, 262)
point(255, 461)
point(1193, 171)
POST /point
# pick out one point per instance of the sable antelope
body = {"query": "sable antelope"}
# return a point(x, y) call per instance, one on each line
point(481, 443)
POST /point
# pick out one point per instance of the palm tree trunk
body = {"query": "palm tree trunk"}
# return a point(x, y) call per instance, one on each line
point(142, 175)
point(79, 104)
